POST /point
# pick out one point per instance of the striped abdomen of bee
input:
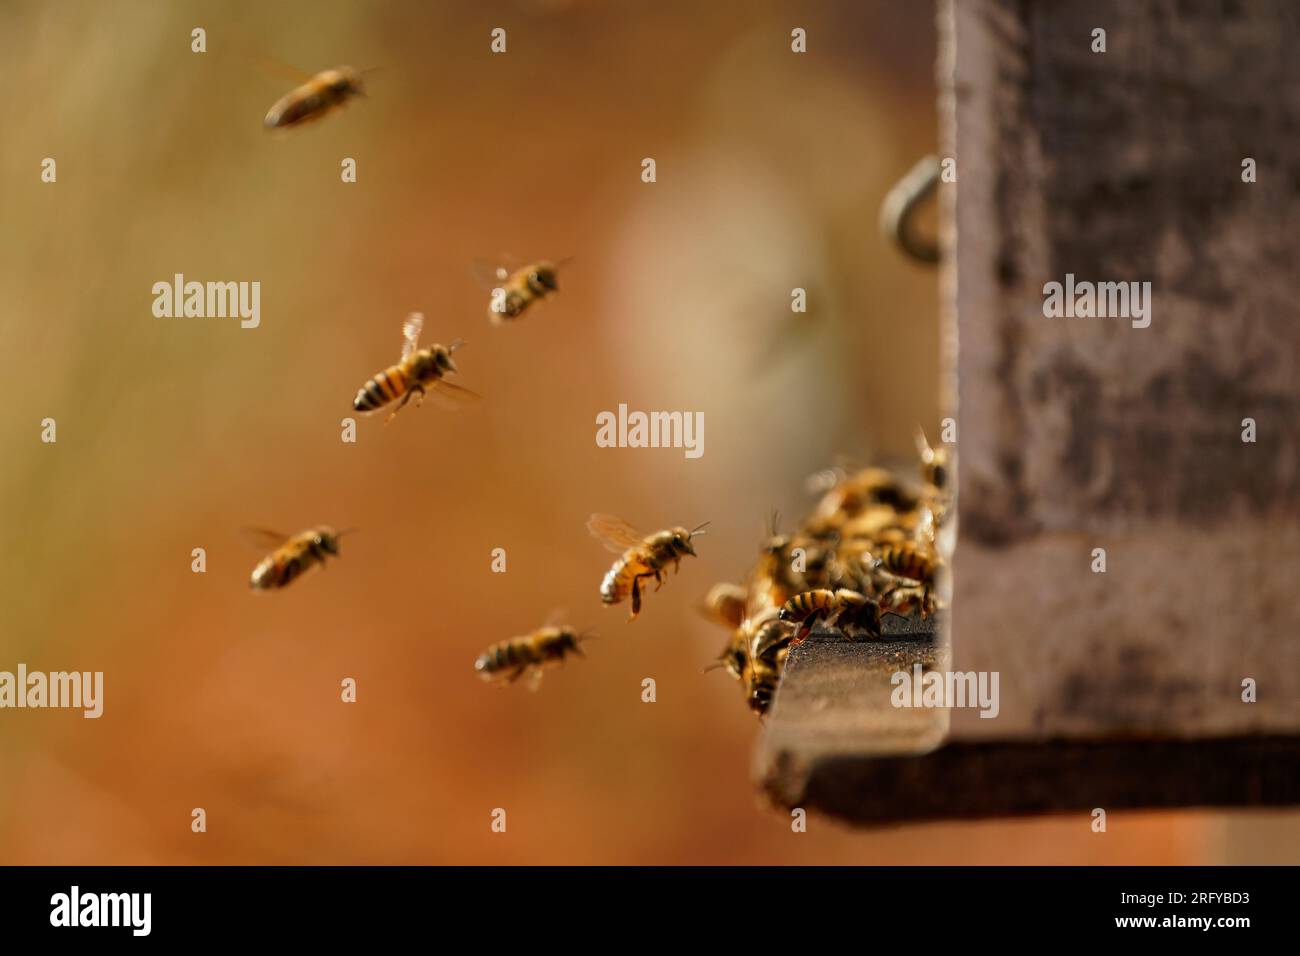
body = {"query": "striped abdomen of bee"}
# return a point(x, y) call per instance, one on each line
point(622, 579)
point(509, 660)
point(297, 555)
point(906, 560)
point(808, 604)
point(388, 386)
point(646, 561)
point(843, 609)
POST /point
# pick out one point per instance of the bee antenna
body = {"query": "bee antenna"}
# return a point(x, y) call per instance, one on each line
point(700, 529)
point(348, 531)
point(565, 261)
point(712, 667)
point(456, 344)
point(923, 444)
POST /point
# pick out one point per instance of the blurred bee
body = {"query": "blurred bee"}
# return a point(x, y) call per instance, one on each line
point(419, 372)
point(546, 647)
point(641, 556)
point(870, 486)
point(843, 609)
point(291, 557)
point(934, 463)
point(734, 656)
point(774, 578)
point(936, 474)
point(759, 681)
point(521, 288)
point(725, 603)
point(323, 93)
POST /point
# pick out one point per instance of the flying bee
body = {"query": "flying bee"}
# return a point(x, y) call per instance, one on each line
point(519, 289)
point(640, 556)
point(420, 372)
point(323, 93)
point(841, 609)
point(546, 647)
point(725, 603)
point(291, 557)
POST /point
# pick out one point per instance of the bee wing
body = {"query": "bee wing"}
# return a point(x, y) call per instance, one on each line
point(448, 395)
point(411, 333)
point(614, 533)
point(263, 539)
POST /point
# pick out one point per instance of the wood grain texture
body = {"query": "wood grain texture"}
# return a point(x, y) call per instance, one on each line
point(1079, 433)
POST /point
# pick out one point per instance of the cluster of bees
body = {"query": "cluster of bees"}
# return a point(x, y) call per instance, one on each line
point(872, 547)
point(869, 549)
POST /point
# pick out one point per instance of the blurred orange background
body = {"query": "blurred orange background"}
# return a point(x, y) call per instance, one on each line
point(175, 433)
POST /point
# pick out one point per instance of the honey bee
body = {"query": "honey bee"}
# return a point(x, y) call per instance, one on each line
point(934, 463)
point(907, 560)
point(641, 556)
point(323, 93)
point(291, 557)
point(725, 603)
point(841, 608)
point(420, 372)
point(521, 288)
point(759, 682)
point(871, 486)
point(917, 566)
point(734, 656)
point(509, 660)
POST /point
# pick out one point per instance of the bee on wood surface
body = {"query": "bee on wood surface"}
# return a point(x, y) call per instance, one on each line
point(323, 93)
point(292, 556)
point(842, 609)
point(640, 557)
point(507, 661)
point(420, 372)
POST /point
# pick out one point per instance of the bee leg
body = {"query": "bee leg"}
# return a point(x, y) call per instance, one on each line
point(659, 581)
point(419, 400)
point(636, 598)
point(405, 398)
point(515, 674)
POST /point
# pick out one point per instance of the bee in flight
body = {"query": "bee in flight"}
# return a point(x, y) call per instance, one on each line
point(291, 557)
point(323, 93)
point(546, 647)
point(420, 372)
point(515, 291)
point(640, 557)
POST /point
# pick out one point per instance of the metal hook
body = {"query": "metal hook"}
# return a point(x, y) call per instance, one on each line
point(898, 211)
